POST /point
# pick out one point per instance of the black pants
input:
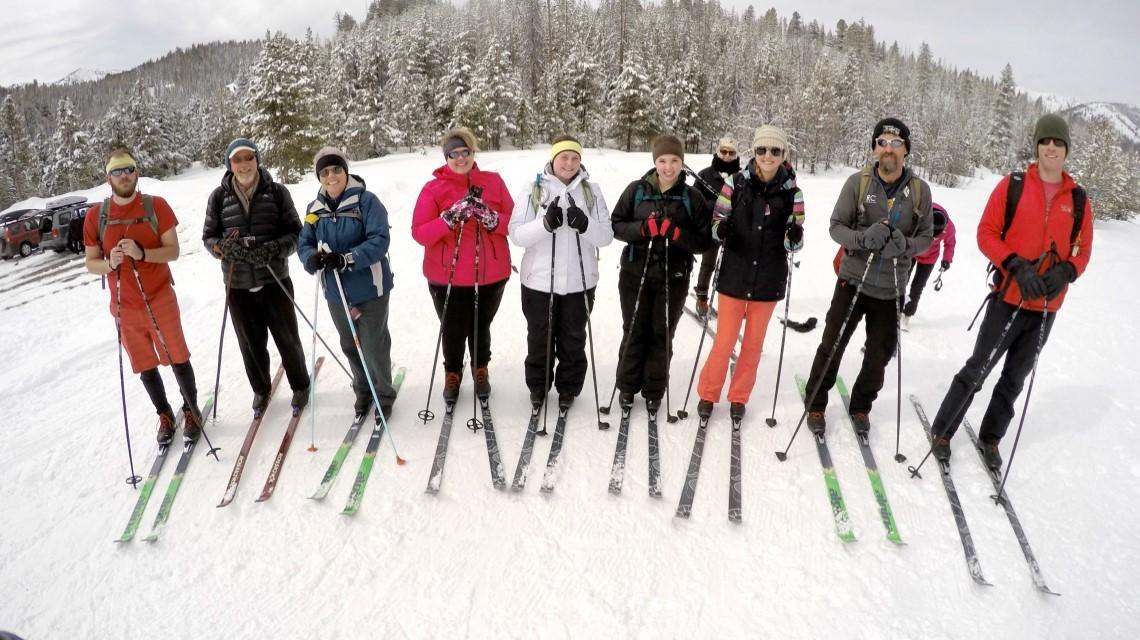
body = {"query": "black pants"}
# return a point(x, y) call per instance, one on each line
point(1019, 348)
point(647, 346)
point(567, 340)
point(920, 273)
point(704, 277)
point(371, 324)
point(256, 315)
point(882, 337)
point(459, 326)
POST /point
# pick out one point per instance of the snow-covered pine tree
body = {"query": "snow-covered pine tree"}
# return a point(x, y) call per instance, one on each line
point(1104, 170)
point(491, 105)
point(630, 104)
point(69, 168)
point(279, 108)
point(999, 151)
point(20, 162)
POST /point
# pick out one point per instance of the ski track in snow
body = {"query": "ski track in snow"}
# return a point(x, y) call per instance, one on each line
point(476, 562)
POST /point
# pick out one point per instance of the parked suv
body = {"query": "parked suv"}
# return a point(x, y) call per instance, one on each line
point(55, 222)
point(20, 236)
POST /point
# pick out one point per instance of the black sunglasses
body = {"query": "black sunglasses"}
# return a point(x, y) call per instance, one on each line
point(775, 151)
point(121, 170)
point(1056, 142)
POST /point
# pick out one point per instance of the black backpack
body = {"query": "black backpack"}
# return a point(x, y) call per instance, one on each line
point(1013, 196)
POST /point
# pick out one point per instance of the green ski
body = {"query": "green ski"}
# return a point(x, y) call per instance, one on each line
point(872, 471)
point(834, 494)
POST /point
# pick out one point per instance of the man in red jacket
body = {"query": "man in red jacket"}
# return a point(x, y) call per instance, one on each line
point(1039, 255)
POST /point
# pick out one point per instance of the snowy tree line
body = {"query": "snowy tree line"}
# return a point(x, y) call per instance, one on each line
point(522, 71)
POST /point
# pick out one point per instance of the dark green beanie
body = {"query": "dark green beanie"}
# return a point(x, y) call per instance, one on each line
point(1052, 125)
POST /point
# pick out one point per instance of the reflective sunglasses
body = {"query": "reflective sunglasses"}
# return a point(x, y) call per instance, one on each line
point(775, 151)
point(121, 171)
point(331, 170)
point(243, 157)
point(1056, 142)
point(893, 143)
point(459, 153)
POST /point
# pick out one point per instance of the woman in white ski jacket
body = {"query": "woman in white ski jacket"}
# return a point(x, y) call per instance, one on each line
point(560, 219)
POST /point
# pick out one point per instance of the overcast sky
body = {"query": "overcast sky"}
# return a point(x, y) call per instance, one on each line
point(1088, 50)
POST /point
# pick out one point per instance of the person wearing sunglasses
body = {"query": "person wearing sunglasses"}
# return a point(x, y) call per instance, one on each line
point(1037, 254)
point(466, 206)
point(346, 233)
point(132, 239)
point(664, 222)
point(725, 163)
point(251, 227)
point(882, 219)
point(758, 217)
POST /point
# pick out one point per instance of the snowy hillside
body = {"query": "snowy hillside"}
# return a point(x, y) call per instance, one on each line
point(83, 74)
point(476, 562)
point(1125, 118)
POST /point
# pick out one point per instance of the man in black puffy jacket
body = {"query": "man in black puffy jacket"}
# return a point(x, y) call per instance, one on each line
point(252, 226)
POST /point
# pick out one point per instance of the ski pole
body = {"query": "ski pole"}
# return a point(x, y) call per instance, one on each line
point(771, 421)
point(301, 313)
point(899, 457)
point(133, 479)
point(629, 331)
point(549, 335)
point(474, 424)
point(590, 331)
point(669, 417)
point(1024, 407)
point(955, 417)
point(783, 455)
point(426, 414)
point(364, 365)
point(313, 363)
point(683, 413)
point(194, 412)
point(222, 332)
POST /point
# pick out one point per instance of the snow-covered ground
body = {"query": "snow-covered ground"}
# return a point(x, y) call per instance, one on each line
point(476, 562)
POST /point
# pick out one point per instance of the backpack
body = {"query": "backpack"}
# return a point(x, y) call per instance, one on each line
point(639, 196)
point(536, 194)
point(105, 212)
point(865, 185)
point(1013, 196)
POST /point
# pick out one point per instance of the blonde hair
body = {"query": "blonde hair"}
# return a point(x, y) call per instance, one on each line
point(464, 134)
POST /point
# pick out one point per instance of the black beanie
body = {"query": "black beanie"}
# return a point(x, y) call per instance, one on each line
point(892, 125)
point(327, 157)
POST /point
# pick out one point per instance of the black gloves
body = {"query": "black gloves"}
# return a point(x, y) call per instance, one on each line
point(1030, 283)
point(895, 246)
point(316, 262)
point(264, 252)
point(793, 237)
point(1057, 278)
point(338, 261)
point(875, 237)
point(553, 218)
point(945, 265)
point(722, 228)
point(576, 219)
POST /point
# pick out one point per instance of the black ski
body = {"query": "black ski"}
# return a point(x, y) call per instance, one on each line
point(995, 477)
point(555, 451)
point(689, 491)
point(972, 562)
point(527, 449)
point(498, 476)
point(617, 472)
point(735, 512)
point(654, 457)
point(436, 476)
